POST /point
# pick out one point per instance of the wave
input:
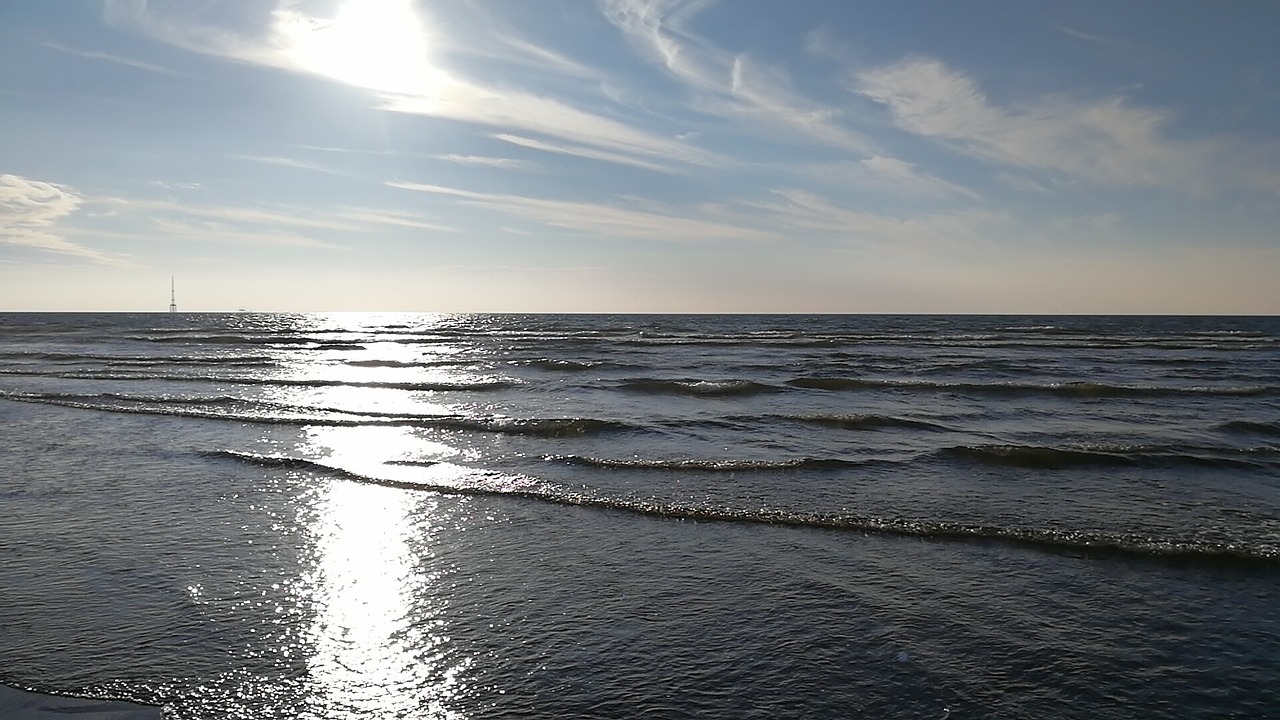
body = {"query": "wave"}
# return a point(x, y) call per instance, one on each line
point(697, 388)
point(1050, 458)
point(470, 386)
point(143, 361)
point(210, 408)
point(413, 386)
point(1025, 340)
point(223, 407)
point(1039, 330)
point(1040, 458)
point(1252, 427)
point(166, 399)
point(541, 427)
point(560, 365)
point(1067, 389)
point(266, 339)
point(553, 365)
point(867, 422)
point(1073, 541)
point(407, 363)
point(708, 465)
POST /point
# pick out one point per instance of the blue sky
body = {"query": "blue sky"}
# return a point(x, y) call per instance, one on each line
point(641, 155)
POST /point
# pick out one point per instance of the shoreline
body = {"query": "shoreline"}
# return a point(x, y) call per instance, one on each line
point(19, 704)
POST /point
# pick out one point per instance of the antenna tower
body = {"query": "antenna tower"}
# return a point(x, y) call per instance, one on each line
point(173, 299)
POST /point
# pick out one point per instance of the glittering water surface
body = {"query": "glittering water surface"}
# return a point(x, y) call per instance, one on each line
point(420, 516)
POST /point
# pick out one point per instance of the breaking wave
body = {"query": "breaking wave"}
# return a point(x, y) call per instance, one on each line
point(698, 388)
point(1051, 458)
point(466, 386)
point(707, 465)
point(476, 482)
point(1067, 389)
point(270, 413)
point(1253, 427)
point(868, 422)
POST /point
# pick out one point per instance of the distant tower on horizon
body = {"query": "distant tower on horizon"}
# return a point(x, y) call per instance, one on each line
point(173, 299)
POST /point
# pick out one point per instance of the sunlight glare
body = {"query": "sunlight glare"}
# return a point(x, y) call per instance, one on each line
point(376, 44)
point(377, 646)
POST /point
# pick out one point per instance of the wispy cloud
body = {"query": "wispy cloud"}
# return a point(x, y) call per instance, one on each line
point(727, 84)
point(230, 233)
point(92, 55)
point(30, 211)
point(887, 174)
point(580, 151)
point(546, 58)
point(806, 211)
point(1114, 47)
point(397, 218)
point(515, 110)
point(512, 49)
point(285, 162)
point(790, 214)
point(1022, 183)
point(285, 217)
point(486, 161)
point(287, 38)
point(599, 220)
point(1110, 140)
point(344, 151)
point(280, 225)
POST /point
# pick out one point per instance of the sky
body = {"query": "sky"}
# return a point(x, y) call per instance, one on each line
point(851, 156)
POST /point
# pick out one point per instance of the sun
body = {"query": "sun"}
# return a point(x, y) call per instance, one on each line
point(376, 44)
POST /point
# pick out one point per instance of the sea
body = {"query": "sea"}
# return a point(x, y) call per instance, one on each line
point(331, 516)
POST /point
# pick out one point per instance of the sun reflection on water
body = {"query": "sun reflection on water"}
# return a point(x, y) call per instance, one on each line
point(377, 644)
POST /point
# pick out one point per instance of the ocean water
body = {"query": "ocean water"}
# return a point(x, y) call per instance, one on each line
point(579, 516)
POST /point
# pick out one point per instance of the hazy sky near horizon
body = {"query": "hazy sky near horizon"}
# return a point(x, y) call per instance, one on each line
point(641, 155)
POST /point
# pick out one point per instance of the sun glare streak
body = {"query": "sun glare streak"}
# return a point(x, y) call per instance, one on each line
point(376, 44)
point(377, 642)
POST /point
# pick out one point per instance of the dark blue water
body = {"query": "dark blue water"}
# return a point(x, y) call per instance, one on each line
point(333, 516)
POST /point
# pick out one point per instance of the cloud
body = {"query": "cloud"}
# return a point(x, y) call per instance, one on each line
point(791, 214)
point(1023, 183)
point(114, 59)
point(541, 57)
point(806, 211)
point(513, 50)
point(285, 37)
point(888, 174)
point(515, 110)
point(284, 217)
point(730, 85)
point(283, 225)
point(579, 151)
point(396, 218)
point(602, 221)
point(1109, 141)
point(345, 151)
point(285, 162)
point(485, 161)
point(229, 233)
point(26, 202)
point(30, 211)
point(1115, 48)
point(202, 28)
